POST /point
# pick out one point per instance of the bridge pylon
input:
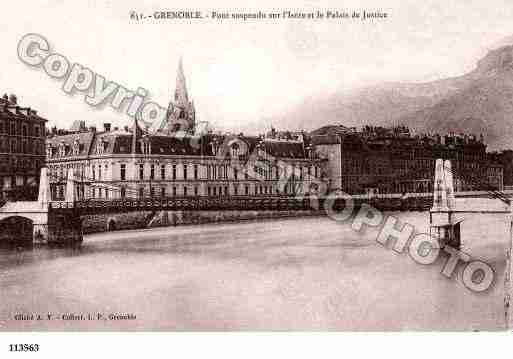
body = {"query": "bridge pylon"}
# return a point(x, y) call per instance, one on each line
point(44, 194)
point(70, 194)
point(443, 224)
point(44, 197)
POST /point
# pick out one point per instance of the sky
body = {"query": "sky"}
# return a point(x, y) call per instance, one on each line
point(240, 73)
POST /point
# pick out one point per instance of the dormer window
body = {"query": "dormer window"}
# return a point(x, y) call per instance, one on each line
point(214, 145)
point(235, 150)
point(76, 147)
point(101, 146)
point(62, 150)
point(145, 147)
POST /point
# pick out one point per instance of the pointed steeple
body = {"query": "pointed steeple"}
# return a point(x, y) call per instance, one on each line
point(136, 135)
point(181, 97)
point(181, 115)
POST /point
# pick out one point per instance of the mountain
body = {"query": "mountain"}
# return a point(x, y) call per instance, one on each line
point(480, 101)
point(483, 104)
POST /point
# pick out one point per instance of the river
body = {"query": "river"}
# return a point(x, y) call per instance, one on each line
point(286, 274)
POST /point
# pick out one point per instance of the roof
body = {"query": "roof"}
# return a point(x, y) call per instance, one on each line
point(84, 140)
point(123, 142)
point(17, 112)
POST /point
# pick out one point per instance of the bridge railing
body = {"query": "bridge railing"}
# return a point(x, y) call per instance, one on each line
point(188, 203)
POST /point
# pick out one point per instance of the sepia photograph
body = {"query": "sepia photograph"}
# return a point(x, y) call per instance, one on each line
point(314, 166)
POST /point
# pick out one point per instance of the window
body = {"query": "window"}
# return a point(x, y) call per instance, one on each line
point(141, 171)
point(226, 190)
point(174, 191)
point(152, 192)
point(141, 192)
point(195, 191)
point(99, 172)
point(184, 191)
point(123, 192)
point(152, 171)
point(236, 173)
point(163, 192)
point(99, 193)
point(36, 129)
point(94, 173)
point(122, 170)
point(145, 147)
point(163, 171)
point(214, 190)
point(236, 190)
point(195, 172)
point(246, 190)
point(184, 171)
point(174, 172)
point(106, 193)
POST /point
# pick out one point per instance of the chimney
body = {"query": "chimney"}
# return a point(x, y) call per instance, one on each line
point(13, 99)
point(106, 127)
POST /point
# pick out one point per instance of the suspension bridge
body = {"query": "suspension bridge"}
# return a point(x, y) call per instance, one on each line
point(60, 220)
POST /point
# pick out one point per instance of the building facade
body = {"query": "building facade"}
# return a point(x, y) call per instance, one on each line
point(175, 161)
point(135, 164)
point(22, 149)
point(382, 160)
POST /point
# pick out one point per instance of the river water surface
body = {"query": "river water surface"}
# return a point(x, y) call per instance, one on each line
point(286, 274)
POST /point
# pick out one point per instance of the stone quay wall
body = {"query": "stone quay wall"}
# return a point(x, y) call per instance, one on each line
point(149, 219)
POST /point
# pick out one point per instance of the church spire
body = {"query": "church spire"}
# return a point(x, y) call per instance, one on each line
point(181, 114)
point(181, 97)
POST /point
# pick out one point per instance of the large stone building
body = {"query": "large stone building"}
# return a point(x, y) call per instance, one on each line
point(382, 160)
point(22, 149)
point(176, 161)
